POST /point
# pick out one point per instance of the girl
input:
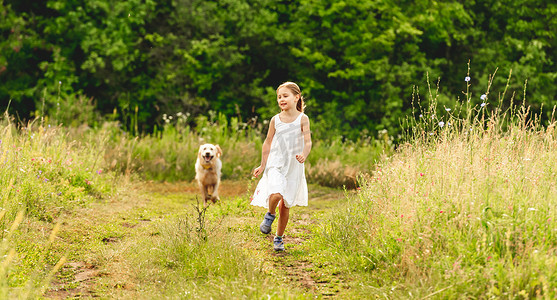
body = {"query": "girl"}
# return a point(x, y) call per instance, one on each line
point(284, 152)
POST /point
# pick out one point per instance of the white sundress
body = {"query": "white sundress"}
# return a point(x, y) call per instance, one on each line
point(283, 173)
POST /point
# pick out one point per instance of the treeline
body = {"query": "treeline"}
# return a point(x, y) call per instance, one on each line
point(356, 60)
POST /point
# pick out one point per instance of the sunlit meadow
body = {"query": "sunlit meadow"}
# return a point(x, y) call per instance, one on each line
point(465, 209)
point(44, 172)
point(49, 171)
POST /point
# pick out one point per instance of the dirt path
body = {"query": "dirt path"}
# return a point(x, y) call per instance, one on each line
point(98, 239)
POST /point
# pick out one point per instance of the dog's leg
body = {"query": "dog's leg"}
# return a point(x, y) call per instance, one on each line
point(211, 189)
point(203, 190)
point(207, 193)
point(215, 196)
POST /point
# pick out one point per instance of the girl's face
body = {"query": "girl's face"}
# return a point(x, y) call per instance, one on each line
point(286, 99)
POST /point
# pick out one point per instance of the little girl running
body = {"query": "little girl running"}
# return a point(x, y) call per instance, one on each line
point(284, 152)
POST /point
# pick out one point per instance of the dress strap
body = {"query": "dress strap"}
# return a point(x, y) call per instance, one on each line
point(277, 120)
point(299, 116)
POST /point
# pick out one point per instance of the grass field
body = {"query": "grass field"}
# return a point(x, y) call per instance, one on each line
point(147, 243)
point(464, 208)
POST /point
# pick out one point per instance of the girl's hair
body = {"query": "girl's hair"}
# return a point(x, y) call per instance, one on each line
point(295, 89)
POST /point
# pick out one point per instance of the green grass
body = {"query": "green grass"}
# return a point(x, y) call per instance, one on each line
point(170, 153)
point(465, 210)
point(44, 173)
point(460, 211)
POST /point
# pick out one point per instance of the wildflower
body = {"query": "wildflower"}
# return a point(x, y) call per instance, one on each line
point(421, 174)
point(421, 115)
point(99, 171)
point(441, 212)
point(448, 123)
point(441, 124)
point(431, 133)
point(399, 239)
point(59, 82)
point(532, 209)
point(447, 109)
point(59, 193)
point(489, 257)
point(45, 180)
point(483, 104)
point(467, 78)
point(483, 97)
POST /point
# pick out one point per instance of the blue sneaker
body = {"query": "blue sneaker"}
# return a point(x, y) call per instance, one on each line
point(278, 244)
point(265, 226)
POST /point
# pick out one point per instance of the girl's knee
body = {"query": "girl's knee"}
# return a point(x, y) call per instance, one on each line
point(275, 197)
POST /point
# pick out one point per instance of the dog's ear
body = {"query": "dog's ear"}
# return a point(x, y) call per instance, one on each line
point(199, 151)
point(219, 150)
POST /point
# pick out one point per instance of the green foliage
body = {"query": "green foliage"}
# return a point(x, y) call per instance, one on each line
point(356, 61)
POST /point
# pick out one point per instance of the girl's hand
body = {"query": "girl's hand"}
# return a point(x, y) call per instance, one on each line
point(258, 171)
point(301, 158)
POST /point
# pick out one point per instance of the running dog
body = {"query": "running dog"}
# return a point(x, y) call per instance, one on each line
point(208, 170)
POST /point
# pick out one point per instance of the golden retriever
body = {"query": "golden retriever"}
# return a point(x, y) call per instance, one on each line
point(208, 170)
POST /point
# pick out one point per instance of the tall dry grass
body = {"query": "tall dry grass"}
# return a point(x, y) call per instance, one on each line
point(44, 170)
point(465, 209)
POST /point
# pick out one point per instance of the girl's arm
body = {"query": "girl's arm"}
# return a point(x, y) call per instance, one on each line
point(266, 148)
point(307, 140)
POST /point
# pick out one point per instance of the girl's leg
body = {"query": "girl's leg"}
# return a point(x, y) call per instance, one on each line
point(274, 200)
point(284, 214)
point(265, 226)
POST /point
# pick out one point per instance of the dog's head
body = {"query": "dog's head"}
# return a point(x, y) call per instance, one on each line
point(208, 152)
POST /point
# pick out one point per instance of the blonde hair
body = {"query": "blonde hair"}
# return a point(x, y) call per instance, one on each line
point(295, 89)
